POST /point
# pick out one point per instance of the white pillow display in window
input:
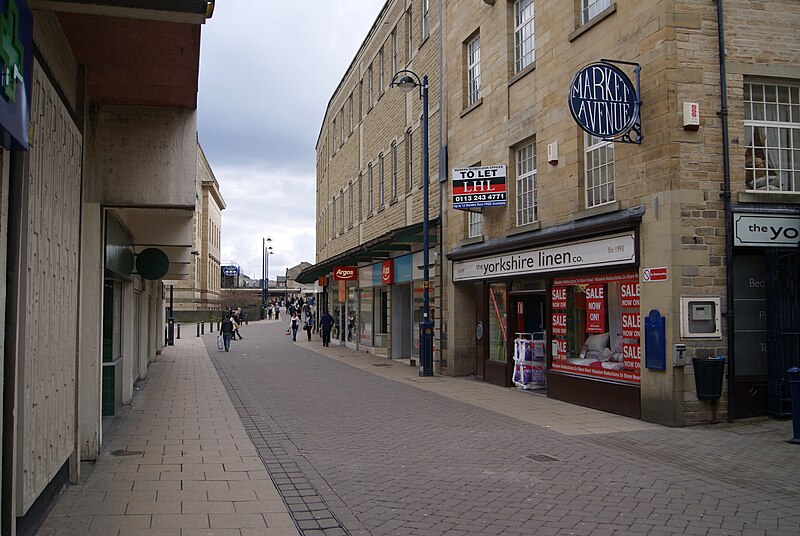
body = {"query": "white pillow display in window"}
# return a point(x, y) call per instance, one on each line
point(597, 342)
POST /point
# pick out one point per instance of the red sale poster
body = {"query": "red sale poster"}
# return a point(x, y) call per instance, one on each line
point(595, 309)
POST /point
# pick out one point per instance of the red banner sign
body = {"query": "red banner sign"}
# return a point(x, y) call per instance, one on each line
point(595, 309)
point(322, 281)
point(387, 272)
point(345, 273)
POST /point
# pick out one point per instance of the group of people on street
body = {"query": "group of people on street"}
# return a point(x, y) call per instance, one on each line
point(302, 315)
point(229, 327)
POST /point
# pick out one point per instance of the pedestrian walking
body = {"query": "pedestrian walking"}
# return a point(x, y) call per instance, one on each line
point(326, 325)
point(227, 331)
point(239, 317)
point(294, 325)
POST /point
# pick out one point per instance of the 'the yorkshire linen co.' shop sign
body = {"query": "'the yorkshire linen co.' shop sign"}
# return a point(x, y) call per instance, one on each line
point(766, 230)
point(606, 251)
point(603, 101)
point(16, 69)
point(477, 187)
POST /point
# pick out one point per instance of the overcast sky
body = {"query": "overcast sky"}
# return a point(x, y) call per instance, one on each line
point(267, 71)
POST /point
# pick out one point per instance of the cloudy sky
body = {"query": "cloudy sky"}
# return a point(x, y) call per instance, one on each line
point(267, 71)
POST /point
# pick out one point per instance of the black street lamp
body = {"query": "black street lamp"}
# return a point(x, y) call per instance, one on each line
point(265, 253)
point(408, 80)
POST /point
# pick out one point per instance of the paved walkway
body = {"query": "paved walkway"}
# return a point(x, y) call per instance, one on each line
point(181, 464)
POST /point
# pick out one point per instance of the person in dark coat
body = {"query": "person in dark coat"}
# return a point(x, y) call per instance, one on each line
point(227, 331)
point(326, 324)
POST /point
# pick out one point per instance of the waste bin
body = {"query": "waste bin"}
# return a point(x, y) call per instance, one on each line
point(708, 373)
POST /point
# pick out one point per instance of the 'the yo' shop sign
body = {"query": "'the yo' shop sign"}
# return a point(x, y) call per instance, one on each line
point(603, 101)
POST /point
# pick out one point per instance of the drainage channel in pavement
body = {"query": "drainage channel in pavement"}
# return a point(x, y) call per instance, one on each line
point(307, 507)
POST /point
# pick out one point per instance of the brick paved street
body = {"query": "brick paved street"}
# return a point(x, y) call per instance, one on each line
point(372, 449)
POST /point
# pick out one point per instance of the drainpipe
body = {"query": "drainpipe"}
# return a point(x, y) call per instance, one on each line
point(442, 184)
point(726, 198)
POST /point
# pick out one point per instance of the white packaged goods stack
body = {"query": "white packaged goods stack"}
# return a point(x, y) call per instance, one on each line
point(529, 365)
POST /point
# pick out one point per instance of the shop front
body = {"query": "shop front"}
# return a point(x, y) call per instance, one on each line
point(766, 298)
point(559, 315)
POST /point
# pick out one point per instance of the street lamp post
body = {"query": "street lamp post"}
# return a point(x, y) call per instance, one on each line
point(265, 273)
point(408, 80)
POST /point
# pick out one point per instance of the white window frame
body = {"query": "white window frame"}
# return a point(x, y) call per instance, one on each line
point(524, 35)
point(474, 224)
point(473, 70)
point(598, 167)
point(591, 8)
point(771, 122)
point(526, 194)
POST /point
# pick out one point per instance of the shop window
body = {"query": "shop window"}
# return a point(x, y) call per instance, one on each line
point(772, 137)
point(596, 326)
point(498, 322)
point(365, 317)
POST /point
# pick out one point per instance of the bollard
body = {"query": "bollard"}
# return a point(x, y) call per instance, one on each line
point(198, 329)
point(794, 388)
point(211, 326)
point(179, 331)
point(202, 328)
point(246, 320)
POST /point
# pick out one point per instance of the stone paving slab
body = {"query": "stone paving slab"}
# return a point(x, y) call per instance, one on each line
point(180, 464)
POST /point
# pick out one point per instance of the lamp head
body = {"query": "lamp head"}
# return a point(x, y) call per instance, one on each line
point(406, 84)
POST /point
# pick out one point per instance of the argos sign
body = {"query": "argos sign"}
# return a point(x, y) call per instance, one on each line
point(387, 272)
point(345, 273)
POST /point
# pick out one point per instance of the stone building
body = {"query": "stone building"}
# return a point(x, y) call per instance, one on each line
point(98, 163)
point(670, 233)
point(198, 296)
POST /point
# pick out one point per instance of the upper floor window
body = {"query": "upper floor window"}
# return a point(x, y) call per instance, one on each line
point(410, 35)
point(394, 52)
point(360, 197)
point(333, 218)
point(334, 145)
point(426, 24)
point(599, 169)
point(772, 137)
point(524, 44)
point(341, 122)
point(380, 76)
point(371, 186)
point(394, 171)
point(409, 161)
point(526, 184)
point(350, 204)
point(474, 70)
point(591, 8)
point(381, 182)
point(350, 108)
point(369, 75)
point(341, 211)
point(475, 225)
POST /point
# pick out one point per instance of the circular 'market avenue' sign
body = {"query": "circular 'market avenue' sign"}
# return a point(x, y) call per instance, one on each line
point(603, 101)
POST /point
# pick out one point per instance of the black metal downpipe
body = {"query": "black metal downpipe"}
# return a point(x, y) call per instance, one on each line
point(726, 198)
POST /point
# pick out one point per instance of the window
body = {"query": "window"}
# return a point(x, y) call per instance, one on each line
point(772, 137)
point(475, 224)
point(360, 197)
point(394, 51)
point(394, 171)
point(426, 30)
point(335, 145)
point(409, 161)
point(333, 218)
point(341, 211)
point(350, 105)
point(361, 100)
point(341, 122)
point(591, 8)
point(599, 167)
point(350, 204)
point(371, 185)
point(526, 184)
point(524, 44)
point(381, 183)
point(410, 34)
point(474, 70)
point(380, 76)
point(369, 75)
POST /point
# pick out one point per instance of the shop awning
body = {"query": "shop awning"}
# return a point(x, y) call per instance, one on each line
point(396, 241)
